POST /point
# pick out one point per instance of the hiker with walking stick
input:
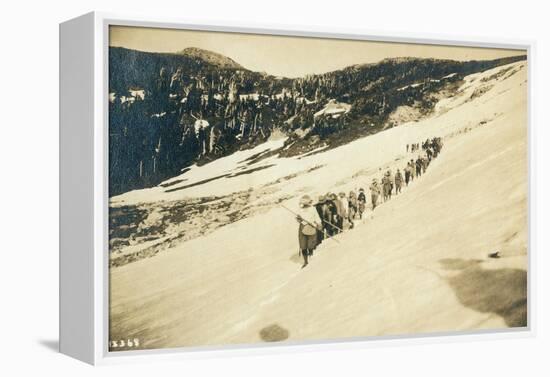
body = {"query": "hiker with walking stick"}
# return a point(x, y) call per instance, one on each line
point(309, 222)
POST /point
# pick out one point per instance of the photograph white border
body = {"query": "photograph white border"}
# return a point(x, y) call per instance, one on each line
point(102, 21)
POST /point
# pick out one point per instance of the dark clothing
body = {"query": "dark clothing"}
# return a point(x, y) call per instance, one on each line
point(339, 223)
point(387, 187)
point(305, 254)
point(321, 210)
point(418, 167)
point(332, 215)
point(361, 200)
point(352, 204)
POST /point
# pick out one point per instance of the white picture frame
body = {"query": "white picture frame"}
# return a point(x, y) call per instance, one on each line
point(84, 191)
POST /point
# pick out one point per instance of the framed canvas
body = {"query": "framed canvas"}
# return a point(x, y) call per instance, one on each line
point(237, 189)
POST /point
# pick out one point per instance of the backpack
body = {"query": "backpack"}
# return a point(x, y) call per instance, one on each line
point(308, 230)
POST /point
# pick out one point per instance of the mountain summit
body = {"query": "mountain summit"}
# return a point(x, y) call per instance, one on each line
point(210, 57)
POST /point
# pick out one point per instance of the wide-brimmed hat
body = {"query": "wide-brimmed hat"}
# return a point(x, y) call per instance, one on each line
point(321, 199)
point(361, 190)
point(306, 200)
point(333, 196)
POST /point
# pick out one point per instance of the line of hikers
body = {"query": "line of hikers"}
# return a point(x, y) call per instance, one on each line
point(425, 145)
point(332, 213)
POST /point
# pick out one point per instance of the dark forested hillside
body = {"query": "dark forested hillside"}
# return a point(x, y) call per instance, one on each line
point(168, 111)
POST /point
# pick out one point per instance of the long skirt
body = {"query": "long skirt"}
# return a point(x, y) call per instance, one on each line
point(305, 241)
point(374, 200)
point(361, 208)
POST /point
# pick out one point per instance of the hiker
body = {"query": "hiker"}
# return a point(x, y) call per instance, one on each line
point(439, 144)
point(398, 182)
point(332, 214)
point(374, 193)
point(339, 219)
point(309, 222)
point(344, 214)
point(429, 153)
point(361, 200)
point(390, 176)
point(352, 204)
point(407, 148)
point(413, 169)
point(386, 186)
point(418, 166)
point(383, 188)
point(324, 215)
point(424, 162)
point(407, 174)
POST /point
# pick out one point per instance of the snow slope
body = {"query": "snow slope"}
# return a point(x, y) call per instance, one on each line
point(417, 264)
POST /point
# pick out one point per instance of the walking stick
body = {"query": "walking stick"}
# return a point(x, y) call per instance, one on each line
point(295, 214)
point(332, 225)
point(326, 222)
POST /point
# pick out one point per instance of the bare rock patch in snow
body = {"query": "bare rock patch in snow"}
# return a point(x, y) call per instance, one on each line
point(274, 333)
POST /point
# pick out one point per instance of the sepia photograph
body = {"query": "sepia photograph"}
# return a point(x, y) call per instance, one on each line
point(289, 189)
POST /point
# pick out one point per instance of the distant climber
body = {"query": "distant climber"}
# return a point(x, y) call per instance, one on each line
point(332, 213)
point(418, 164)
point(374, 193)
point(324, 214)
point(352, 204)
point(386, 186)
point(361, 200)
point(398, 181)
point(407, 174)
point(344, 209)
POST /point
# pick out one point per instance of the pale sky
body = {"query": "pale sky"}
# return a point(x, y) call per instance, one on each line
point(289, 56)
